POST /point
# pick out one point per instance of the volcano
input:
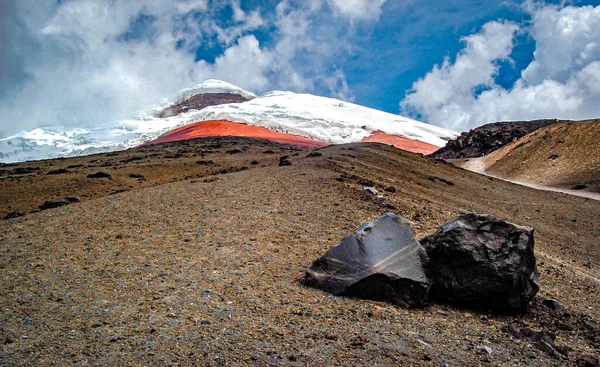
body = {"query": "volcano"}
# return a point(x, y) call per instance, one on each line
point(280, 116)
point(300, 119)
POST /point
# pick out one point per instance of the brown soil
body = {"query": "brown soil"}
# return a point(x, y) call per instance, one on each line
point(562, 155)
point(206, 270)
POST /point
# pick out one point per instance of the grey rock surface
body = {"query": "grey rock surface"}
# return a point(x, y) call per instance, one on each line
point(381, 261)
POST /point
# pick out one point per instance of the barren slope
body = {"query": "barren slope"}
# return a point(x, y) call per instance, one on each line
point(205, 271)
point(561, 155)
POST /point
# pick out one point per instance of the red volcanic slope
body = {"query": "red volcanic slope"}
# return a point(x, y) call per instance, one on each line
point(401, 142)
point(225, 128)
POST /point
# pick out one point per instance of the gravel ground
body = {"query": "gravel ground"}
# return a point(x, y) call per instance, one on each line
point(194, 272)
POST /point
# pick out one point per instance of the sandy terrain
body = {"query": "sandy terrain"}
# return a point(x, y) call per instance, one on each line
point(205, 270)
point(561, 155)
point(478, 165)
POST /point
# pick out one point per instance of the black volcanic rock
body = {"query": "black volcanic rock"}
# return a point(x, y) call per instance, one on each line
point(99, 175)
point(50, 204)
point(487, 138)
point(200, 101)
point(480, 261)
point(380, 261)
point(12, 215)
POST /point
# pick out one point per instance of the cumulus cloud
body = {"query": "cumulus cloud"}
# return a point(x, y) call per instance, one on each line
point(88, 62)
point(560, 82)
point(358, 9)
point(89, 65)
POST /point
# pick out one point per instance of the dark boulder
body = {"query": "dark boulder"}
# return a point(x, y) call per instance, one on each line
point(99, 175)
point(12, 215)
point(59, 171)
point(381, 261)
point(50, 204)
point(480, 261)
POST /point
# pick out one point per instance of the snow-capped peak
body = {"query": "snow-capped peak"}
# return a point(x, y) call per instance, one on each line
point(212, 86)
point(325, 119)
point(321, 118)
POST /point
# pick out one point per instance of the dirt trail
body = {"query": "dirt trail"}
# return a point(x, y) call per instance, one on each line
point(478, 166)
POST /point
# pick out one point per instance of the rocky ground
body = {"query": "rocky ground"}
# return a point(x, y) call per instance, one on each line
point(200, 263)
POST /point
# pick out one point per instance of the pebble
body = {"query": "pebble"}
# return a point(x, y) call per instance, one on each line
point(552, 304)
point(485, 348)
point(532, 355)
point(25, 337)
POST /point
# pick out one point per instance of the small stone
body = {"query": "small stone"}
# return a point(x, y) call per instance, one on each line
point(371, 190)
point(284, 162)
point(485, 348)
point(532, 355)
point(553, 304)
point(25, 337)
point(205, 292)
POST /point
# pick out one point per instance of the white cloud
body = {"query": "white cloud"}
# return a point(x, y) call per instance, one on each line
point(82, 74)
point(358, 9)
point(561, 81)
point(89, 62)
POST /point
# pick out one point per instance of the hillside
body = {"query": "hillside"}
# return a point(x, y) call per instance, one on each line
point(199, 260)
point(487, 138)
point(565, 155)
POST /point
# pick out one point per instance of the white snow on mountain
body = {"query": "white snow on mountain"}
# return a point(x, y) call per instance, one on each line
point(55, 142)
point(325, 119)
point(214, 86)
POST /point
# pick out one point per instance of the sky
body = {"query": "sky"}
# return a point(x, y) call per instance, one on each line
point(455, 64)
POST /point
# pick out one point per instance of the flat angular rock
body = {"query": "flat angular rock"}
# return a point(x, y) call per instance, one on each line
point(482, 262)
point(381, 261)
